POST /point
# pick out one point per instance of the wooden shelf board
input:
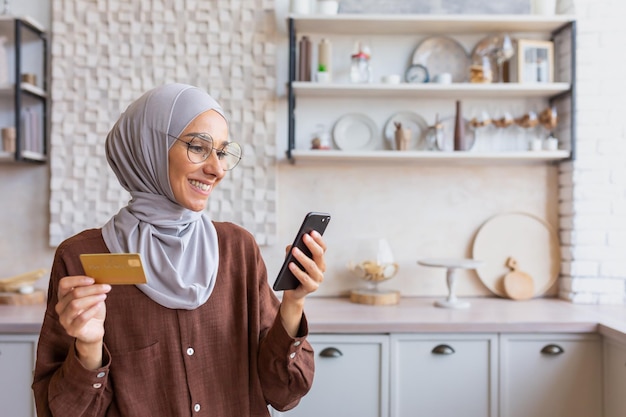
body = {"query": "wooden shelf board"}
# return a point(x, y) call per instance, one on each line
point(33, 89)
point(508, 90)
point(390, 24)
point(7, 156)
point(7, 90)
point(333, 156)
point(33, 156)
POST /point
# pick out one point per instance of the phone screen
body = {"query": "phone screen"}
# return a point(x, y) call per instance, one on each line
point(312, 221)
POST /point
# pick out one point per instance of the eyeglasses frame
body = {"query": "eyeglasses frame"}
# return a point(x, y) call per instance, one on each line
point(213, 148)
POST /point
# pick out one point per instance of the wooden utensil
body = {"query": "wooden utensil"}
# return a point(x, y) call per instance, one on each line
point(14, 298)
point(518, 285)
point(13, 284)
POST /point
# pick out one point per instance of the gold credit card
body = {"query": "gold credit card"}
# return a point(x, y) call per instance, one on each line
point(114, 268)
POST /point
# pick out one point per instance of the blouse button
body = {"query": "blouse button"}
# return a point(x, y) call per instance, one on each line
point(296, 343)
point(101, 374)
point(97, 385)
point(293, 355)
point(196, 408)
point(190, 351)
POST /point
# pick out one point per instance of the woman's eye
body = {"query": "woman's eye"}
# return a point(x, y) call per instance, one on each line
point(220, 153)
point(197, 149)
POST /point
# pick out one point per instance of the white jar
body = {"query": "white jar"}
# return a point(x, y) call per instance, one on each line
point(300, 6)
point(551, 144)
point(543, 7)
point(327, 6)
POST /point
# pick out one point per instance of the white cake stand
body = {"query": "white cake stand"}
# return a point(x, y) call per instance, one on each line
point(451, 265)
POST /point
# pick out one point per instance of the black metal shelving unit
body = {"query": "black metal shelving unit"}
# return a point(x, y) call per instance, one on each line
point(25, 31)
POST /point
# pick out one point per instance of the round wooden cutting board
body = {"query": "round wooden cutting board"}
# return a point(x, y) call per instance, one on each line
point(528, 239)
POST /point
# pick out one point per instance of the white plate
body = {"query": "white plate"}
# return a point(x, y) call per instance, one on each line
point(447, 142)
point(528, 239)
point(442, 54)
point(410, 120)
point(353, 132)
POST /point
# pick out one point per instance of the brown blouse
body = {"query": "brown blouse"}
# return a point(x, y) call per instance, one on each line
point(229, 357)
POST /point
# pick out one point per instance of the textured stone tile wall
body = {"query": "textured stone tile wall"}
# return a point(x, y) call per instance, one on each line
point(106, 53)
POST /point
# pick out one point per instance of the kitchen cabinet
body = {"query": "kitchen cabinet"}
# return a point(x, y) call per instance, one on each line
point(469, 374)
point(17, 362)
point(550, 375)
point(614, 378)
point(23, 91)
point(444, 375)
point(314, 106)
point(351, 377)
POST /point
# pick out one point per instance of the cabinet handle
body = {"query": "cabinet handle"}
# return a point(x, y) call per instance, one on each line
point(331, 352)
point(552, 350)
point(442, 350)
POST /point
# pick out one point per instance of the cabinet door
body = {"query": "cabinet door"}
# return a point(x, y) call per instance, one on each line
point(614, 379)
point(17, 359)
point(550, 375)
point(443, 375)
point(350, 377)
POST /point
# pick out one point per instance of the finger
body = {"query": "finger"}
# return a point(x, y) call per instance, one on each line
point(78, 311)
point(319, 239)
point(67, 284)
point(311, 268)
point(317, 251)
point(79, 298)
point(74, 325)
point(307, 283)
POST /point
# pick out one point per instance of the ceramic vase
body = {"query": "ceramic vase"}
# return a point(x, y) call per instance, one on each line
point(543, 7)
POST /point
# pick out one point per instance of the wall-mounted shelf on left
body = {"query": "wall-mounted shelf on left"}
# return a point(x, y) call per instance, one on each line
point(23, 90)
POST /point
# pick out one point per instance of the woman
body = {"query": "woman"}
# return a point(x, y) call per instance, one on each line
point(205, 336)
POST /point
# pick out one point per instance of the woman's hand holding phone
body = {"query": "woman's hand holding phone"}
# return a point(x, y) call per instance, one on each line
point(305, 257)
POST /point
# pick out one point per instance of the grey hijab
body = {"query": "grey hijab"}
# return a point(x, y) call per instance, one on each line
point(178, 246)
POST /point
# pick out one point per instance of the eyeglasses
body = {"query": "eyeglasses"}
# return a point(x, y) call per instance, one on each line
point(200, 146)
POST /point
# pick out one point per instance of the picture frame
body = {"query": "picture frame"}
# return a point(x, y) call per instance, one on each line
point(535, 61)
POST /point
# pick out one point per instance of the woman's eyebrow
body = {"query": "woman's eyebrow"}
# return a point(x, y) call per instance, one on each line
point(207, 136)
point(200, 135)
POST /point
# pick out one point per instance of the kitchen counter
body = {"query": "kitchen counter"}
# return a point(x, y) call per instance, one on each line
point(418, 315)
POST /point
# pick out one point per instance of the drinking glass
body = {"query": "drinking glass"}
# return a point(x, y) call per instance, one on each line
point(502, 53)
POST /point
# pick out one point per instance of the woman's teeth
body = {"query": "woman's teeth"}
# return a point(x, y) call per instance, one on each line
point(200, 185)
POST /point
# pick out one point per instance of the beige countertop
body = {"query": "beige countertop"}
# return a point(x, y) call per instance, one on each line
point(417, 314)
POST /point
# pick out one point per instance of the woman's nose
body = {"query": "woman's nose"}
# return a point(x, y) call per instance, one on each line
point(213, 165)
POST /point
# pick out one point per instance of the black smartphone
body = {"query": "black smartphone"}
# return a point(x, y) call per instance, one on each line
point(312, 221)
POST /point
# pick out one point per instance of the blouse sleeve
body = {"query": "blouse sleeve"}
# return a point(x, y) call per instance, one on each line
point(286, 364)
point(62, 386)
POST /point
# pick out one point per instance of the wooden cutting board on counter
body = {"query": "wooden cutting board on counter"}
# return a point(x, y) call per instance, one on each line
point(19, 290)
point(518, 285)
point(14, 298)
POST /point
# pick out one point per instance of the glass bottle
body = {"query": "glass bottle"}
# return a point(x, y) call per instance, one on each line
point(360, 67)
point(434, 136)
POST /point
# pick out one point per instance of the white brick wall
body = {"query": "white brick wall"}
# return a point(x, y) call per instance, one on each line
point(593, 187)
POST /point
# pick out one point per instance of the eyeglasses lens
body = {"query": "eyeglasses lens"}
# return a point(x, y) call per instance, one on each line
point(198, 150)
